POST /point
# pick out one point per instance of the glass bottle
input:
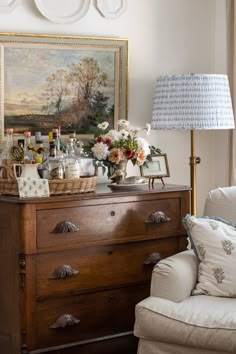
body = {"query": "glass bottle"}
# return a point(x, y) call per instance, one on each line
point(28, 154)
point(39, 152)
point(52, 148)
point(39, 149)
point(58, 143)
point(71, 161)
point(55, 135)
point(73, 136)
point(50, 136)
point(38, 137)
point(20, 143)
point(76, 145)
point(62, 145)
point(54, 163)
point(47, 146)
point(6, 153)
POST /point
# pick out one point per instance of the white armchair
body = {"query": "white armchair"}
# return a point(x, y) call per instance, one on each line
point(171, 321)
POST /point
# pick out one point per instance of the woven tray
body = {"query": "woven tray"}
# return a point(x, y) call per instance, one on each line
point(56, 187)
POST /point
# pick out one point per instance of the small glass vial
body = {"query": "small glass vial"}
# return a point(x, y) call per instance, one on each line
point(6, 157)
point(38, 137)
point(28, 154)
point(6, 153)
point(76, 145)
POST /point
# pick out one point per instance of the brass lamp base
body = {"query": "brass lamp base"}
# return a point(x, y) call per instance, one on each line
point(193, 162)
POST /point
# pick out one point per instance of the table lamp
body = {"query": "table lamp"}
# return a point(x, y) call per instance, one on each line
point(192, 102)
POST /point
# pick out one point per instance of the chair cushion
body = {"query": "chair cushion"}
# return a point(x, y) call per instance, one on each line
point(174, 277)
point(155, 347)
point(202, 322)
point(214, 241)
point(221, 202)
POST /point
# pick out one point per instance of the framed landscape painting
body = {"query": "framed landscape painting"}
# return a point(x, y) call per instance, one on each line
point(67, 81)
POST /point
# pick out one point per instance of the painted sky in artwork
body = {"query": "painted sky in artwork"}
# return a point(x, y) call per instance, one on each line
point(26, 71)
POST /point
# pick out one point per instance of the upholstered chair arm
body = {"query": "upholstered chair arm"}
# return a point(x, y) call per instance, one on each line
point(173, 278)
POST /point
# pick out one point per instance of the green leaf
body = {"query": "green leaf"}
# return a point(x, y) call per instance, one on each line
point(154, 150)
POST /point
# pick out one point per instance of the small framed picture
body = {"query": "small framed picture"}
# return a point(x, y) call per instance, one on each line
point(157, 168)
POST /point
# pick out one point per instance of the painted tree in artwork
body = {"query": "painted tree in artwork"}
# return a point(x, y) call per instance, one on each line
point(56, 92)
point(98, 106)
point(85, 79)
point(74, 95)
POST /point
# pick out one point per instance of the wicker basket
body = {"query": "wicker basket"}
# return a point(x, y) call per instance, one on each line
point(56, 187)
point(8, 186)
point(73, 186)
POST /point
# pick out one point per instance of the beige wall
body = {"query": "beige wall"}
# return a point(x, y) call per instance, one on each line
point(165, 36)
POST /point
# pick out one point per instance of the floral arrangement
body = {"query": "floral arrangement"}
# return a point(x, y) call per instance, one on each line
point(111, 147)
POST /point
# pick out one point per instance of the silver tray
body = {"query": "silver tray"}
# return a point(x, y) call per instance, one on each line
point(127, 186)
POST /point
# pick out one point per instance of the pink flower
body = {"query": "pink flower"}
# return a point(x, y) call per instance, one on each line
point(140, 157)
point(116, 155)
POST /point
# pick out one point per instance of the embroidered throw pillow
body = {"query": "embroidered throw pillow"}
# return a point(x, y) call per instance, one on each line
point(214, 242)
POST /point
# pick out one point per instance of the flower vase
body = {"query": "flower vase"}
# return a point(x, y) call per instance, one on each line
point(117, 172)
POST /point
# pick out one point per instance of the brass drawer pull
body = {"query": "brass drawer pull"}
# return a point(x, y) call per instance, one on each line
point(63, 271)
point(65, 226)
point(65, 320)
point(153, 258)
point(157, 217)
point(111, 298)
point(22, 263)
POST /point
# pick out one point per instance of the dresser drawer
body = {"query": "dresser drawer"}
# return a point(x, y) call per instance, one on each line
point(116, 221)
point(99, 314)
point(98, 267)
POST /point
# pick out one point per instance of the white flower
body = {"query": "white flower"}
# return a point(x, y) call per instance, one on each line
point(148, 127)
point(134, 131)
point(125, 140)
point(123, 134)
point(100, 151)
point(123, 123)
point(143, 144)
point(112, 135)
point(103, 125)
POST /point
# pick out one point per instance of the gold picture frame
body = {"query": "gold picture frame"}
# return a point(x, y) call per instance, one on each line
point(46, 81)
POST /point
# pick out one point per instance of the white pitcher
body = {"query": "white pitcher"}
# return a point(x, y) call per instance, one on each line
point(26, 170)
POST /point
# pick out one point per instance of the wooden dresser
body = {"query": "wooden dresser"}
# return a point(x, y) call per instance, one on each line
point(73, 267)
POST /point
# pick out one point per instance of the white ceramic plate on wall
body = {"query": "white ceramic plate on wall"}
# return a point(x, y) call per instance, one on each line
point(8, 5)
point(63, 11)
point(111, 8)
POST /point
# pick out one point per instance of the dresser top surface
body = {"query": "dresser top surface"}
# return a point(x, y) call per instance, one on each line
point(102, 191)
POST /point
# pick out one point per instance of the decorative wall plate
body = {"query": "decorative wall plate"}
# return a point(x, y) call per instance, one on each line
point(8, 5)
point(111, 8)
point(62, 11)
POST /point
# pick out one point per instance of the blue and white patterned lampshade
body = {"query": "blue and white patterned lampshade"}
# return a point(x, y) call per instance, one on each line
point(192, 101)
